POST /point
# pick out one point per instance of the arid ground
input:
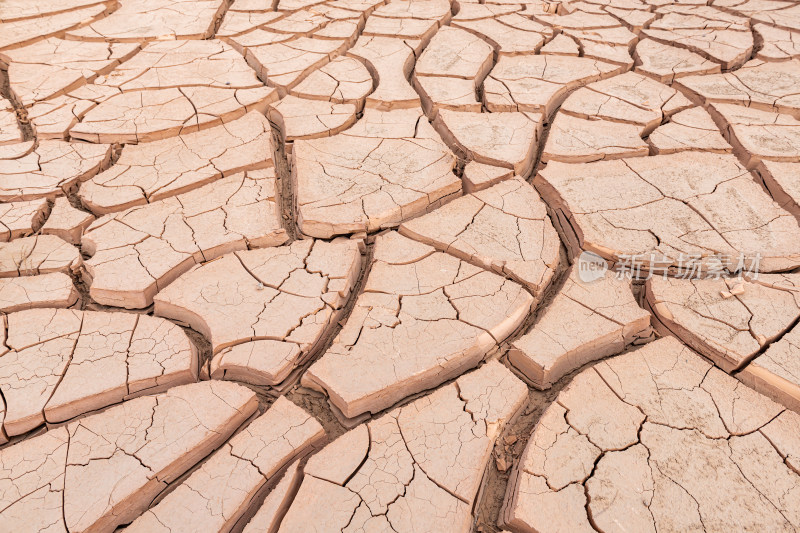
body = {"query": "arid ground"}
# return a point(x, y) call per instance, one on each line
point(431, 266)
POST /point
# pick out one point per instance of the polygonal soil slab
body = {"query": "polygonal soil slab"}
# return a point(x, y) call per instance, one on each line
point(311, 119)
point(740, 324)
point(608, 119)
point(777, 43)
point(600, 35)
point(727, 320)
point(588, 320)
point(268, 517)
point(67, 222)
point(299, 22)
point(50, 169)
point(780, 178)
point(173, 87)
point(656, 440)
point(767, 86)
point(30, 292)
point(451, 68)
point(424, 317)
point(479, 176)
point(22, 9)
point(672, 209)
point(561, 45)
point(237, 22)
point(164, 64)
point(425, 9)
point(392, 61)
point(105, 470)
point(666, 63)
point(455, 53)
point(39, 254)
point(579, 20)
point(576, 140)
point(721, 37)
point(441, 92)
point(759, 135)
point(405, 28)
point(219, 493)
point(509, 34)
point(51, 67)
point(417, 468)
point(343, 80)
point(628, 98)
point(157, 170)
point(504, 228)
point(136, 252)
point(540, 83)
point(787, 19)
point(26, 30)
point(10, 132)
point(62, 363)
point(53, 118)
point(776, 372)
point(285, 64)
point(282, 299)
point(691, 129)
point(152, 19)
point(389, 167)
point(633, 15)
point(483, 11)
point(607, 44)
point(18, 219)
point(500, 139)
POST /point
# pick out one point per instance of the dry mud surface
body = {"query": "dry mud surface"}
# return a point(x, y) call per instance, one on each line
point(318, 265)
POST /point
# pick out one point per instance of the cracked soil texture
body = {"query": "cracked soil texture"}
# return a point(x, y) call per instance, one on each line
point(366, 266)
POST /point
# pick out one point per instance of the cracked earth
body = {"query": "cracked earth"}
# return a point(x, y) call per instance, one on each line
point(313, 265)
